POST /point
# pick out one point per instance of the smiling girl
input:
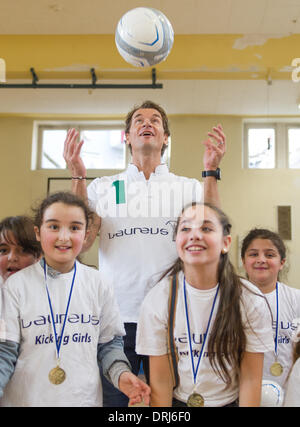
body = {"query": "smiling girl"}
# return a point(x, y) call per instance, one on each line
point(62, 320)
point(222, 324)
point(264, 255)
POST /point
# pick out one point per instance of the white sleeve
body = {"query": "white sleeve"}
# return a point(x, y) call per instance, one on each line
point(152, 325)
point(92, 192)
point(110, 319)
point(297, 297)
point(10, 323)
point(293, 387)
point(257, 320)
point(2, 323)
point(101, 196)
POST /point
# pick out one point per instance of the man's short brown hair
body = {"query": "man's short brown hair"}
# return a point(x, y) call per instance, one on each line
point(154, 106)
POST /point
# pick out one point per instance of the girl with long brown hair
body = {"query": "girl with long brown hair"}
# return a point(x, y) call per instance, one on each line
point(222, 322)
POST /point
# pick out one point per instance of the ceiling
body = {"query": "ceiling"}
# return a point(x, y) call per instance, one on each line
point(229, 56)
point(187, 17)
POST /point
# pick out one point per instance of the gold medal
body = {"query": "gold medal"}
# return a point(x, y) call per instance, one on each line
point(57, 375)
point(195, 400)
point(276, 369)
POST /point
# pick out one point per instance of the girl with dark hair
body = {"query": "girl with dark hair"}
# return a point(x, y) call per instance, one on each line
point(222, 323)
point(264, 254)
point(18, 245)
point(61, 321)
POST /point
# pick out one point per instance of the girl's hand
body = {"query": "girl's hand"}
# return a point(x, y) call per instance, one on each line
point(135, 389)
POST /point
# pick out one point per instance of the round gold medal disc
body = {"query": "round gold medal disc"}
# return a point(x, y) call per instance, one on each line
point(276, 369)
point(57, 375)
point(195, 400)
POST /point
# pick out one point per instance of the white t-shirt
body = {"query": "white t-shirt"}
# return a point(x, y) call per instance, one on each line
point(289, 309)
point(2, 324)
point(152, 335)
point(292, 397)
point(93, 318)
point(138, 217)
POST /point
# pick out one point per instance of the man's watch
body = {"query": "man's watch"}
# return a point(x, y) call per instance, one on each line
point(216, 173)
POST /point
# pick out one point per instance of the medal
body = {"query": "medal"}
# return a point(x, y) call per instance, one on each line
point(276, 369)
point(195, 400)
point(57, 375)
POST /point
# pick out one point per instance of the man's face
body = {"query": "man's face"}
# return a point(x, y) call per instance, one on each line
point(146, 132)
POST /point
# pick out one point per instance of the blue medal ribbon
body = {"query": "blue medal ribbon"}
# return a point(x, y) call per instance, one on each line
point(57, 340)
point(277, 315)
point(195, 371)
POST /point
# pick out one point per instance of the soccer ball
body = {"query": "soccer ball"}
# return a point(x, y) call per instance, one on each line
point(271, 394)
point(144, 36)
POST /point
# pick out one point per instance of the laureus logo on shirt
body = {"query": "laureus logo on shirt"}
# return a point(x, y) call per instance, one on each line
point(133, 231)
point(73, 318)
point(145, 199)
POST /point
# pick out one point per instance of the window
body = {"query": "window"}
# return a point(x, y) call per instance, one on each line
point(52, 149)
point(261, 148)
point(294, 147)
point(272, 145)
point(103, 147)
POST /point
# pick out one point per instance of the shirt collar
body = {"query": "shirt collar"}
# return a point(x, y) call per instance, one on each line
point(50, 271)
point(161, 169)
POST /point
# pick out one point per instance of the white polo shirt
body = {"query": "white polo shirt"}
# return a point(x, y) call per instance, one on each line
point(138, 217)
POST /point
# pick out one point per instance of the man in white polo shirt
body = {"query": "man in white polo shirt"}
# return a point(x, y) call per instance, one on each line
point(135, 212)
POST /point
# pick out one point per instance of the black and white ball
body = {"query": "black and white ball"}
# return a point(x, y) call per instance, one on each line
point(144, 36)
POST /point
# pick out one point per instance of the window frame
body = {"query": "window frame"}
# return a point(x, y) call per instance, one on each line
point(265, 125)
point(290, 126)
point(281, 127)
point(40, 126)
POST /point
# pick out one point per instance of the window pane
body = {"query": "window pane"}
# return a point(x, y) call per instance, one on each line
point(294, 147)
point(261, 148)
point(52, 149)
point(103, 149)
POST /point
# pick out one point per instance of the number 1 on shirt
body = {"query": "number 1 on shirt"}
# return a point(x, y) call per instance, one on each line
point(120, 192)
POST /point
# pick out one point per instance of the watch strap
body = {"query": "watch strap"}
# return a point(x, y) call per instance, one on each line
point(216, 173)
